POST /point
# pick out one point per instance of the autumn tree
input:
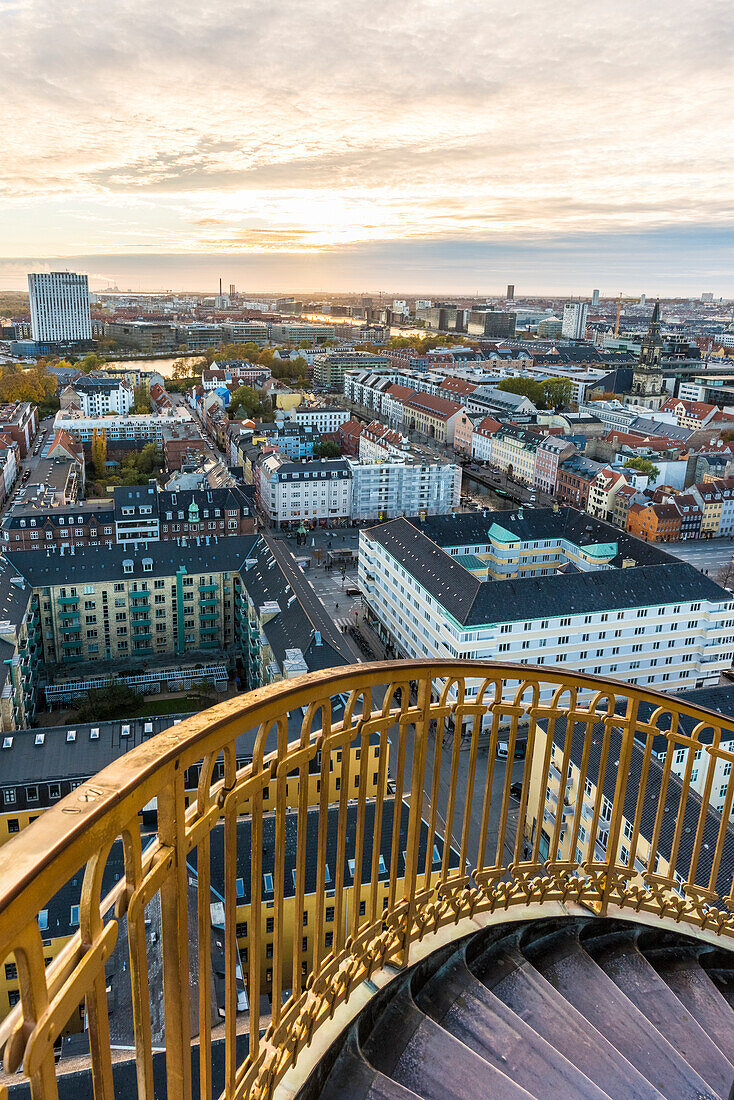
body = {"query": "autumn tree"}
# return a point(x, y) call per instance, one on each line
point(99, 454)
point(141, 403)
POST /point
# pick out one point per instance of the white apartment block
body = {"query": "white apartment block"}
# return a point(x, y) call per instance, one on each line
point(324, 418)
point(318, 494)
point(142, 427)
point(59, 303)
point(718, 699)
point(404, 487)
point(99, 400)
point(489, 586)
point(574, 320)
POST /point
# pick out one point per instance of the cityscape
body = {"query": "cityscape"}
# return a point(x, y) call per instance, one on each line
point(367, 683)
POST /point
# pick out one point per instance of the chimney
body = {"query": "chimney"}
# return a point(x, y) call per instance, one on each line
point(220, 288)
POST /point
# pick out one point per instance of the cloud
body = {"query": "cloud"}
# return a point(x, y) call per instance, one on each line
point(259, 126)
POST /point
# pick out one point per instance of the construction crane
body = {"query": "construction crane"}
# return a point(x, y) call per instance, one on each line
point(619, 310)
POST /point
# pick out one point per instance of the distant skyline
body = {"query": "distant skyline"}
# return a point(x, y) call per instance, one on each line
point(417, 148)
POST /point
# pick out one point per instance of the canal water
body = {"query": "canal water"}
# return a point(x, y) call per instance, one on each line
point(486, 497)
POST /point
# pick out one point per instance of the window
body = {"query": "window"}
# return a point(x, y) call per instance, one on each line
point(74, 915)
point(329, 915)
point(9, 796)
point(268, 883)
point(328, 939)
point(270, 925)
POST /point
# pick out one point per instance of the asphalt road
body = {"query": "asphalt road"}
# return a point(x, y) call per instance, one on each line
point(709, 556)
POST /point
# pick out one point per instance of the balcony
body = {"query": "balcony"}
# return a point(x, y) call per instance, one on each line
point(454, 862)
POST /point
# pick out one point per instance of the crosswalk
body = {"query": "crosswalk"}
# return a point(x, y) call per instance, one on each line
point(340, 625)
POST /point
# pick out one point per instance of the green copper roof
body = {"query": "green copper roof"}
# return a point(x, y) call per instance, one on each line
point(500, 534)
point(600, 550)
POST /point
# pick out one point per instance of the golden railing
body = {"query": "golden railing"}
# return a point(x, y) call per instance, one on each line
point(471, 848)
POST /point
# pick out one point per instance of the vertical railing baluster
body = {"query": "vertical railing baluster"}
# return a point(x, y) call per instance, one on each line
point(365, 766)
point(140, 992)
point(203, 908)
point(620, 790)
point(415, 816)
point(175, 937)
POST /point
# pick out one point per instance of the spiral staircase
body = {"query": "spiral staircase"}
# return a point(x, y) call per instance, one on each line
point(584, 1009)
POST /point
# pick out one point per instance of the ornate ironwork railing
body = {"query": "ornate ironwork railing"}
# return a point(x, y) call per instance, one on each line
point(415, 824)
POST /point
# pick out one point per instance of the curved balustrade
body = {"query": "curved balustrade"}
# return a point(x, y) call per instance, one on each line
point(412, 827)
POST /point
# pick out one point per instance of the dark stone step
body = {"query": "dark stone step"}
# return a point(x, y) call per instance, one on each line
point(353, 1079)
point(693, 987)
point(628, 968)
point(562, 960)
point(414, 1050)
point(509, 975)
point(462, 1005)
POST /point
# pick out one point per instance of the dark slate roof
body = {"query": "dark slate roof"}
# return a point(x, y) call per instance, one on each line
point(60, 758)
point(95, 563)
point(643, 425)
point(656, 578)
point(645, 586)
point(532, 524)
point(719, 699)
point(14, 594)
point(291, 628)
point(446, 580)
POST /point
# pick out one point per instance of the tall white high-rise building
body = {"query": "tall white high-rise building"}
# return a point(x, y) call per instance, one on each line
point(574, 320)
point(595, 299)
point(59, 307)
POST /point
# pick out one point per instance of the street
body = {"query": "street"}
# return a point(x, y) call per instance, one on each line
point(710, 556)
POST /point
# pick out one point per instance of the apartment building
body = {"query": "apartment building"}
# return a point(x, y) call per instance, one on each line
point(545, 587)
point(325, 419)
point(433, 416)
point(147, 514)
point(59, 303)
point(137, 428)
point(513, 449)
point(120, 603)
point(602, 492)
point(98, 396)
point(549, 454)
point(239, 372)
point(482, 436)
point(19, 421)
point(404, 486)
point(379, 443)
point(573, 793)
point(318, 494)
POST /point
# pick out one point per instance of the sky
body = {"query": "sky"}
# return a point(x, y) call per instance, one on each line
point(422, 146)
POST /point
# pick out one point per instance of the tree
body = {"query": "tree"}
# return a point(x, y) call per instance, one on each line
point(90, 362)
point(248, 400)
point(327, 449)
point(99, 454)
point(142, 400)
point(558, 392)
point(525, 387)
point(645, 466)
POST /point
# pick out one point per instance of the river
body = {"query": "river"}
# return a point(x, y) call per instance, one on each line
point(163, 366)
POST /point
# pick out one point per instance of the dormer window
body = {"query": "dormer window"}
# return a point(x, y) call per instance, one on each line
point(127, 565)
